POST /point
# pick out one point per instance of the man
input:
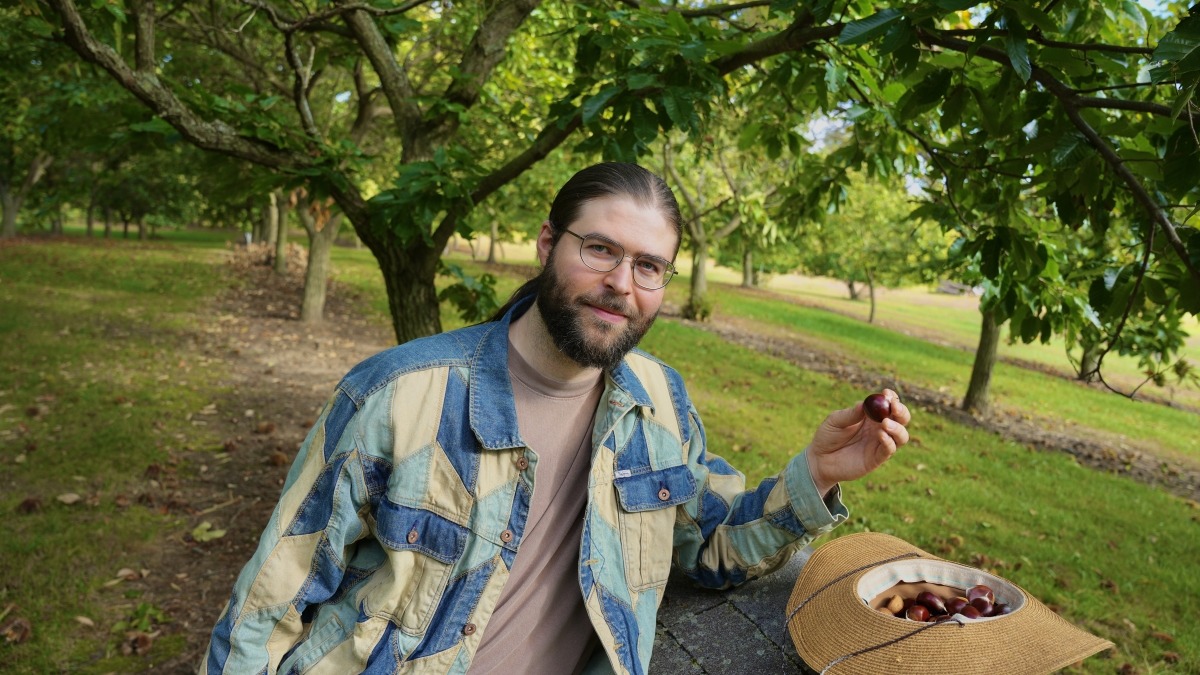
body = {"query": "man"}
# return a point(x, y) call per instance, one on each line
point(509, 497)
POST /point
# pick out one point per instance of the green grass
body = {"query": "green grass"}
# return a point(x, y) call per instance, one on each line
point(94, 388)
point(1057, 402)
point(89, 329)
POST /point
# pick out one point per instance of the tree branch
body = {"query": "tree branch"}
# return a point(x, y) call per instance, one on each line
point(1035, 36)
point(392, 78)
point(795, 37)
point(486, 50)
point(215, 135)
point(1071, 105)
point(143, 49)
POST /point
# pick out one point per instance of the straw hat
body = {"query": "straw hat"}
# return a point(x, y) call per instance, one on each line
point(836, 630)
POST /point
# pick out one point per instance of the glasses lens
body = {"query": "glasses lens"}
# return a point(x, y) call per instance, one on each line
point(600, 254)
point(650, 272)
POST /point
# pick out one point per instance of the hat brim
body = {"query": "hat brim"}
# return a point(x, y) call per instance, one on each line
point(834, 630)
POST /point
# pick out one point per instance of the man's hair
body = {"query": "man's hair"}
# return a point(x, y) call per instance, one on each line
point(607, 179)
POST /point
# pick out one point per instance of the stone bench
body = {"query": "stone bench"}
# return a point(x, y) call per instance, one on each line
point(741, 630)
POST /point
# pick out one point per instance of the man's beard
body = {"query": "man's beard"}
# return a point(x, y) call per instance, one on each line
point(565, 318)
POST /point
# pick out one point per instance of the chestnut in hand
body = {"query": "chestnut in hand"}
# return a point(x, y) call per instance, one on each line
point(877, 407)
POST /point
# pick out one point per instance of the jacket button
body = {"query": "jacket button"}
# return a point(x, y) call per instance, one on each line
point(506, 536)
point(412, 537)
point(468, 629)
point(664, 494)
point(522, 464)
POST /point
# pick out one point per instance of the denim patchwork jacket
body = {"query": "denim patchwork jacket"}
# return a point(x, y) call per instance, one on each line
point(401, 517)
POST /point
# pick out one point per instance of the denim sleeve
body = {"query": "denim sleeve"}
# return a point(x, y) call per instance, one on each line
point(730, 534)
point(300, 560)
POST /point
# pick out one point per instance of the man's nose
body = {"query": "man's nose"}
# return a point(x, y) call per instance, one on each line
point(620, 278)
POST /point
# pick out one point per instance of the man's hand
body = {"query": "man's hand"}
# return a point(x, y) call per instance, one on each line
point(848, 445)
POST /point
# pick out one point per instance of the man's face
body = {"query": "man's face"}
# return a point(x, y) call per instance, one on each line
point(595, 318)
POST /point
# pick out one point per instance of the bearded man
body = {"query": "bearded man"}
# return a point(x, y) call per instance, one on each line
point(510, 497)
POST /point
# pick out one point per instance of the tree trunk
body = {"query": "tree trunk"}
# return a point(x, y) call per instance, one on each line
point(1089, 361)
point(281, 261)
point(270, 223)
point(697, 308)
point(143, 234)
point(322, 229)
point(412, 295)
point(108, 222)
point(871, 290)
point(976, 400)
point(10, 206)
point(852, 288)
point(495, 233)
point(748, 276)
point(91, 216)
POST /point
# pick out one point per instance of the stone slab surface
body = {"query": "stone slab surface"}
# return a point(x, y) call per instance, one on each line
point(741, 630)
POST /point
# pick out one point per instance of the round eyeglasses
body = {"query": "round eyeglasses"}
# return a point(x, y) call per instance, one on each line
point(602, 254)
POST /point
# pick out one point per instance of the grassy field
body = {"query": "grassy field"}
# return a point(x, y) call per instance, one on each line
point(97, 382)
point(95, 388)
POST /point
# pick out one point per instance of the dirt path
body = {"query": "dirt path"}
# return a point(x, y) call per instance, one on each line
point(281, 372)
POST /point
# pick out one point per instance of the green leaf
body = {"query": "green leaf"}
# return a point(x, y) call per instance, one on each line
point(864, 30)
point(641, 80)
point(596, 104)
point(1071, 148)
point(156, 125)
point(1018, 54)
point(952, 107)
point(1178, 51)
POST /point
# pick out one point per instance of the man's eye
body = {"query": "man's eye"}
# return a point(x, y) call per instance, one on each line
point(651, 266)
point(600, 249)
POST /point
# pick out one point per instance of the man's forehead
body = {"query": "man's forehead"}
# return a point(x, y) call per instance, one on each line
point(638, 227)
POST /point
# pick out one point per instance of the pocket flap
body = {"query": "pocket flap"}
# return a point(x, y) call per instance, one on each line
point(656, 489)
point(404, 528)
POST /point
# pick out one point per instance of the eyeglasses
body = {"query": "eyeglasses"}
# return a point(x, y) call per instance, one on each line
point(603, 255)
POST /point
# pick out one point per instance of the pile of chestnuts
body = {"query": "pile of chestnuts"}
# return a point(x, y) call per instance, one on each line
point(978, 603)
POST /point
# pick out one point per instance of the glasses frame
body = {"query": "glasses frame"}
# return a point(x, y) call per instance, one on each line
point(667, 275)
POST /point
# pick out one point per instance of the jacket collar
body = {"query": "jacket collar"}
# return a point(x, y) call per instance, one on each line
point(493, 411)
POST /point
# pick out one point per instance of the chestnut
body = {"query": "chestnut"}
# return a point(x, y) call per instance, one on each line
point(970, 612)
point(877, 407)
point(1000, 609)
point(933, 603)
point(984, 607)
point(981, 591)
point(954, 605)
point(917, 613)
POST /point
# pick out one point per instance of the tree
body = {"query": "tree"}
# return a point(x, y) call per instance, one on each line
point(870, 239)
point(915, 73)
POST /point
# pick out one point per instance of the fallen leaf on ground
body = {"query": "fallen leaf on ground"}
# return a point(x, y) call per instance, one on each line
point(29, 505)
point(127, 574)
point(137, 642)
point(85, 621)
point(17, 630)
point(205, 532)
point(69, 498)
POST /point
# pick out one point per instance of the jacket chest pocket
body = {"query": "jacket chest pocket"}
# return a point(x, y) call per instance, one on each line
point(421, 548)
point(647, 521)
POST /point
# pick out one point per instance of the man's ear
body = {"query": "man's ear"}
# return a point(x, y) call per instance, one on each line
point(545, 242)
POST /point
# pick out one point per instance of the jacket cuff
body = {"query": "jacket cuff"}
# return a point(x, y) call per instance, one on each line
point(818, 515)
